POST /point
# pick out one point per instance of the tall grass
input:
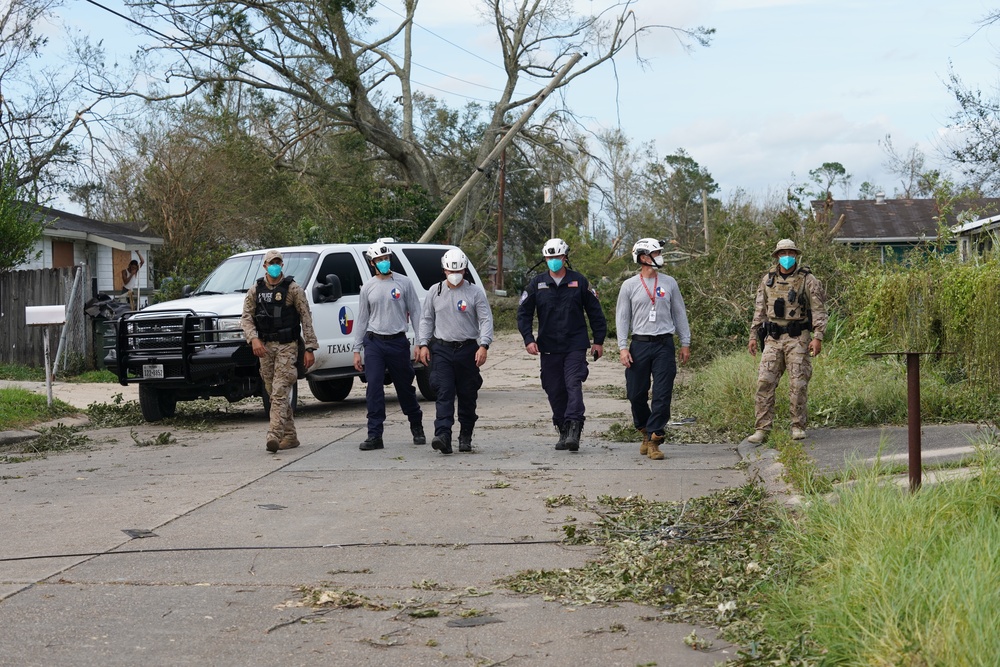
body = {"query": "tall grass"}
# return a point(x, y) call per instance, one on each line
point(885, 577)
point(848, 389)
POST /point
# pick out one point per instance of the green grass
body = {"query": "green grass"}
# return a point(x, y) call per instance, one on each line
point(848, 389)
point(21, 373)
point(880, 576)
point(20, 408)
point(28, 374)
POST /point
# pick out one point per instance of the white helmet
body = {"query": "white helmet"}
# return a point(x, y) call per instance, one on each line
point(554, 248)
point(377, 249)
point(645, 247)
point(454, 260)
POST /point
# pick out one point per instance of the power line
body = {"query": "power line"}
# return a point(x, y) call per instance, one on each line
point(444, 39)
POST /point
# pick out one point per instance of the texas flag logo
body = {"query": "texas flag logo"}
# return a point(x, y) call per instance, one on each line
point(660, 292)
point(395, 293)
point(346, 320)
point(462, 305)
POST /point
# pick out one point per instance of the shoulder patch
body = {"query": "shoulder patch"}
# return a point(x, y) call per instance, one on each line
point(524, 295)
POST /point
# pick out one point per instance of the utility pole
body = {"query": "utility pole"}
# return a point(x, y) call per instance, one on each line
point(498, 283)
point(480, 171)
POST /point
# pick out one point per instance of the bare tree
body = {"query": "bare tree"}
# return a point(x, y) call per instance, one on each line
point(46, 113)
point(322, 59)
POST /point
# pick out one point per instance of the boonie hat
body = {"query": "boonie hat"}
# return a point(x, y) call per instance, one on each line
point(272, 255)
point(785, 244)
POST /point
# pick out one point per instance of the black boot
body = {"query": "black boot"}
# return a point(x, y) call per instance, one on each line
point(563, 432)
point(442, 442)
point(417, 430)
point(465, 439)
point(573, 429)
point(370, 444)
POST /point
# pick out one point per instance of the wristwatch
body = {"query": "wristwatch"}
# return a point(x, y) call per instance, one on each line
point(310, 349)
point(485, 346)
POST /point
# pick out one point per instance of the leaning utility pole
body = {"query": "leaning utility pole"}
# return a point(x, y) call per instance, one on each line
point(480, 171)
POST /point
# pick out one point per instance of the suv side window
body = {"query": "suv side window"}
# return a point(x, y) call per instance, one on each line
point(427, 263)
point(345, 267)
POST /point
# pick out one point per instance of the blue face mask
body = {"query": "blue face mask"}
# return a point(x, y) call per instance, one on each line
point(274, 270)
point(787, 262)
point(383, 266)
point(555, 265)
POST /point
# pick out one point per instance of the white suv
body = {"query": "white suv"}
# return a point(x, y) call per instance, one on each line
point(194, 348)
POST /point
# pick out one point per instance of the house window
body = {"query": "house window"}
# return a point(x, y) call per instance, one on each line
point(62, 254)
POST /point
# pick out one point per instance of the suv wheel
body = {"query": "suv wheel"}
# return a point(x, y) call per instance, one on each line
point(329, 391)
point(424, 383)
point(156, 404)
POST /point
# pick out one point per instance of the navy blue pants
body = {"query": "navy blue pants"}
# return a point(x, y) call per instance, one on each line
point(562, 379)
point(651, 360)
point(454, 373)
point(393, 356)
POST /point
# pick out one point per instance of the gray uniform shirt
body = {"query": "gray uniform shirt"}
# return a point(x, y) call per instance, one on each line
point(635, 302)
point(383, 307)
point(456, 314)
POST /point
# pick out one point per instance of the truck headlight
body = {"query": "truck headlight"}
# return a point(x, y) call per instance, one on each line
point(230, 330)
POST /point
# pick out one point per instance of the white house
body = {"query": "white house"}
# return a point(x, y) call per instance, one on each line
point(977, 237)
point(69, 239)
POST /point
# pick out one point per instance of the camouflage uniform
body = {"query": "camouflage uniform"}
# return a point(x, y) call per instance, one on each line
point(277, 369)
point(784, 300)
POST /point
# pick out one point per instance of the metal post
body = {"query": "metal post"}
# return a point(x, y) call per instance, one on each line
point(48, 372)
point(913, 417)
point(498, 283)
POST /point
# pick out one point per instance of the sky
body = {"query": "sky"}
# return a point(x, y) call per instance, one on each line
point(785, 85)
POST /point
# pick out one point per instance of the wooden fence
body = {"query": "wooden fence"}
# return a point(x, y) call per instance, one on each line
point(24, 345)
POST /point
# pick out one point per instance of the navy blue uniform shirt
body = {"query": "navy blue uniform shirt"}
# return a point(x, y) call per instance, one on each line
point(561, 308)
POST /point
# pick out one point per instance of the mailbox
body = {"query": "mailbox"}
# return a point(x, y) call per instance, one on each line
point(38, 315)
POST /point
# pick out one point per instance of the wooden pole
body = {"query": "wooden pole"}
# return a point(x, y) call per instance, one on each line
point(480, 171)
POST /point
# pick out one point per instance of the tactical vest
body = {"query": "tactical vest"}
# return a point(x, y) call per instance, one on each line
point(786, 297)
point(276, 319)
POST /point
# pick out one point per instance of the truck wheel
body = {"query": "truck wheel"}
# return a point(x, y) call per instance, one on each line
point(424, 384)
point(293, 399)
point(329, 391)
point(156, 404)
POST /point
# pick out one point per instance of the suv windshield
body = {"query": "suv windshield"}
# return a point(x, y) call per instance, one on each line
point(237, 274)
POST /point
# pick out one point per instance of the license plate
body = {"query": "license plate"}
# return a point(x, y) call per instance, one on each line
point(152, 371)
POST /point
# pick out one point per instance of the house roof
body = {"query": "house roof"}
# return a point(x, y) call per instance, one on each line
point(72, 226)
point(897, 220)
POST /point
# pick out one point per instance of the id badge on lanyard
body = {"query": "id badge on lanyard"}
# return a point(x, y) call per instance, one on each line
point(652, 314)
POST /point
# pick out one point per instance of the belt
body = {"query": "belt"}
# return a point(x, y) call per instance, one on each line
point(642, 338)
point(372, 334)
point(453, 343)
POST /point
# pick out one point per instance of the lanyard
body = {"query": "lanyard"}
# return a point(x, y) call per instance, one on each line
point(656, 281)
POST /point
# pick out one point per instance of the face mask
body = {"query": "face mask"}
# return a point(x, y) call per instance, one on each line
point(383, 266)
point(555, 265)
point(274, 270)
point(787, 261)
point(657, 261)
point(455, 279)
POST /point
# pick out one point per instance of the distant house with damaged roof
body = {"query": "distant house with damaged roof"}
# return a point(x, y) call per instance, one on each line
point(898, 226)
point(69, 239)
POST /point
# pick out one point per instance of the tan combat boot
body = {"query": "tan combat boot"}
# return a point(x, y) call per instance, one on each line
point(798, 433)
point(654, 447)
point(644, 447)
point(290, 441)
point(758, 437)
point(273, 442)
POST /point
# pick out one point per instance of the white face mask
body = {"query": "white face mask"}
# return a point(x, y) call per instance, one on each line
point(657, 261)
point(455, 278)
